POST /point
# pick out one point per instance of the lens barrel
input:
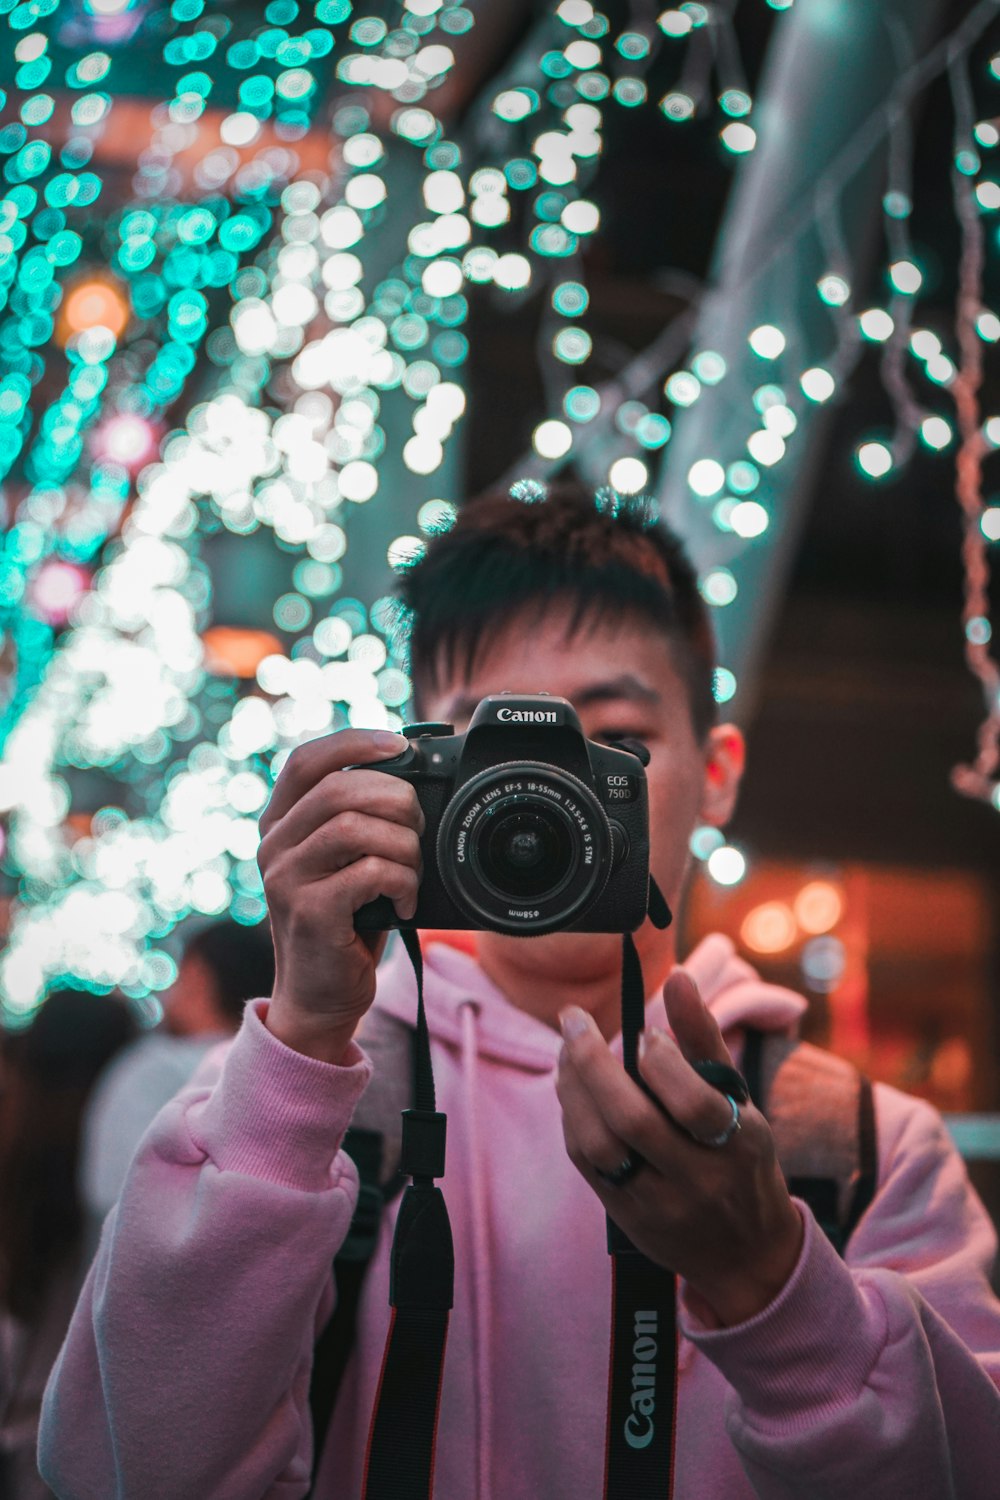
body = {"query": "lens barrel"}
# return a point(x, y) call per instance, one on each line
point(524, 847)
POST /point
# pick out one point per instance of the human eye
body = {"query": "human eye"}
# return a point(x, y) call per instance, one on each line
point(608, 733)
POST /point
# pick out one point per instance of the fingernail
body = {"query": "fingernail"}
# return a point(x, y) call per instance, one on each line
point(574, 1022)
point(391, 743)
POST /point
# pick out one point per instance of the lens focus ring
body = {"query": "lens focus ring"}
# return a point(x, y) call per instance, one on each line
point(524, 847)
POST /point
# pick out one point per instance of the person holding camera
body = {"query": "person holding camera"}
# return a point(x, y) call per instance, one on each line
point(829, 1345)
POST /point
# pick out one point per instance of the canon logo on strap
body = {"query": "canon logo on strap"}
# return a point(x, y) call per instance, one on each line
point(527, 716)
point(639, 1426)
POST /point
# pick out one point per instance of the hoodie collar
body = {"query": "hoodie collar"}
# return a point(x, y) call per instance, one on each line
point(733, 991)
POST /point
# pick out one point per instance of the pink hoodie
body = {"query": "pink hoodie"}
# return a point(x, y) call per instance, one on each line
point(186, 1370)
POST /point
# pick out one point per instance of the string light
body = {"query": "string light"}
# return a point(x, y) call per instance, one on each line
point(552, 439)
point(706, 477)
point(936, 432)
point(767, 341)
point(738, 137)
point(818, 384)
point(876, 324)
point(906, 277)
point(748, 519)
point(628, 476)
point(136, 641)
point(874, 459)
point(727, 865)
point(833, 290)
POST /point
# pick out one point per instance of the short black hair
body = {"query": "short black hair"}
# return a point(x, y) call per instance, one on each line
point(241, 960)
point(609, 555)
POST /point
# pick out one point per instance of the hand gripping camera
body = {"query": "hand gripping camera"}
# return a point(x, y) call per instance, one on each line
point(531, 827)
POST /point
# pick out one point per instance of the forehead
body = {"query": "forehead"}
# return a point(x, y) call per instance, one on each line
point(601, 658)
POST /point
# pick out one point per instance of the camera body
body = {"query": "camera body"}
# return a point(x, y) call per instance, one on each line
point(531, 827)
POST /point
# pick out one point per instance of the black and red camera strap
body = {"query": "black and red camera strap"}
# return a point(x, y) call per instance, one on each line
point(642, 1369)
point(642, 1380)
point(399, 1462)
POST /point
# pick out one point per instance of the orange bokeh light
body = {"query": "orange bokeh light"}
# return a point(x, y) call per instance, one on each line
point(94, 303)
point(769, 928)
point(818, 906)
point(237, 653)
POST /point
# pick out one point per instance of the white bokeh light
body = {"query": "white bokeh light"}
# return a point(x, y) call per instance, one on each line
point(706, 477)
point(726, 865)
point(628, 475)
point(767, 341)
point(552, 439)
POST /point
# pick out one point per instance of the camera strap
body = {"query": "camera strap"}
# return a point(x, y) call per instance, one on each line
point(399, 1462)
point(642, 1371)
point(642, 1376)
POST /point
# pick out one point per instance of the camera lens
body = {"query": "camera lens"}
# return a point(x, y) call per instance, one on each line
point(525, 854)
point(524, 847)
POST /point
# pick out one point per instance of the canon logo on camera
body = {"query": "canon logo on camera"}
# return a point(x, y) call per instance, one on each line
point(527, 716)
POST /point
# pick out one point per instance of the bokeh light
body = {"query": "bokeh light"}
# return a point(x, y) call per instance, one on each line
point(874, 459)
point(227, 340)
point(727, 865)
point(769, 928)
point(628, 475)
point(767, 341)
point(94, 303)
point(818, 906)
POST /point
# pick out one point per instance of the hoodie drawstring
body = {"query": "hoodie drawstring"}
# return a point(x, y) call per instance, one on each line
point(482, 1279)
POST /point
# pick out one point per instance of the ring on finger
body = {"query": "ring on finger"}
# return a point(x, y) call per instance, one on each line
point(624, 1172)
point(724, 1136)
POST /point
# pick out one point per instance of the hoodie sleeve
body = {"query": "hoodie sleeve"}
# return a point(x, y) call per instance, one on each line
point(878, 1375)
point(186, 1368)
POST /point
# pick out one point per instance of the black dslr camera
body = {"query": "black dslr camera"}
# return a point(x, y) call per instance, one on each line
point(531, 828)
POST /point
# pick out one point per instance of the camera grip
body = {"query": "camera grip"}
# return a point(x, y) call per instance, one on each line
point(377, 916)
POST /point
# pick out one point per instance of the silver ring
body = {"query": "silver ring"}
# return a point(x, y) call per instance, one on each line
point(724, 1136)
point(624, 1172)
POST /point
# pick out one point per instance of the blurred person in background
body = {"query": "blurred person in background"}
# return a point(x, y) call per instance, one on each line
point(222, 966)
point(47, 1074)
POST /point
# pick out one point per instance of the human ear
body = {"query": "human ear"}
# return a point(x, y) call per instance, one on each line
point(725, 758)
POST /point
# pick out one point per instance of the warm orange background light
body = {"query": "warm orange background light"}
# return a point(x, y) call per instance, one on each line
point(769, 928)
point(237, 653)
point(913, 1003)
point(94, 303)
point(818, 906)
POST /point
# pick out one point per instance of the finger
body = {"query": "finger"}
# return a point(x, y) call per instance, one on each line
point(692, 1023)
point(610, 1181)
point(344, 893)
point(626, 1112)
point(590, 1144)
point(309, 763)
point(694, 1105)
point(367, 792)
point(348, 837)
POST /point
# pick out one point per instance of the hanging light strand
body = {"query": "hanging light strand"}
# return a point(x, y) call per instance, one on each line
point(980, 778)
